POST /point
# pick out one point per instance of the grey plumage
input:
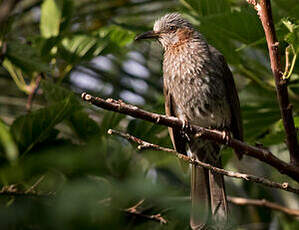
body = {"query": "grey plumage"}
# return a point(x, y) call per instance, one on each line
point(199, 89)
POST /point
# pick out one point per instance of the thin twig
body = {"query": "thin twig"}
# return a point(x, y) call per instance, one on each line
point(32, 188)
point(245, 201)
point(33, 92)
point(264, 11)
point(259, 153)
point(156, 217)
point(260, 180)
point(263, 203)
point(133, 211)
point(3, 50)
point(12, 191)
point(287, 63)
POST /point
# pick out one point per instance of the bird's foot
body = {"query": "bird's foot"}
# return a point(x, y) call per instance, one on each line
point(226, 136)
point(186, 128)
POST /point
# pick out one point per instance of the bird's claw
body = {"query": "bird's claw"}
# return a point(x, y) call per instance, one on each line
point(226, 136)
point(186, 128)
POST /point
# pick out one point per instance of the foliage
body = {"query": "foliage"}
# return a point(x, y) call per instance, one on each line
point(89, 178)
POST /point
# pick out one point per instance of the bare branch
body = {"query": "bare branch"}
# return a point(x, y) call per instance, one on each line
point(264, 11)
point(256, 152)
point(260, 180)
point(262, 203)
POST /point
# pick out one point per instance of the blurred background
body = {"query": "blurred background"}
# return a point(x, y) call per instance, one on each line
point(59, 168)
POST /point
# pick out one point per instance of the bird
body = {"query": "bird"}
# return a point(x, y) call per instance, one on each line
point(199, 89)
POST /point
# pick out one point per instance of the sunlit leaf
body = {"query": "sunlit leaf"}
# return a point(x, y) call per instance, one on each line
point(51, 11)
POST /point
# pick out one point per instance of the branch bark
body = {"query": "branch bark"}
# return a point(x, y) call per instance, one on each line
point(264, 11)
point(262, 203)
point(134, 211)
point(260, 180)
point(256, 152)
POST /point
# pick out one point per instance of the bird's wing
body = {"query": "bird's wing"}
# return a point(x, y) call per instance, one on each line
point(232, 95)
point(176, 136)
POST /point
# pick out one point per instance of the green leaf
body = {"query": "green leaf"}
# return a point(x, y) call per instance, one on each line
point(67, 14)
point(292, 37)
point(260, 111)
point(31, 129)
point(110, 121)
point(81, 47)
point(10, 147)
point(25, 57)
point(148, 131)
point(117, 35)
point(273, 138)
point(79, 121)
point(208, 7)
point(288, 7)
point(296, 121)
point(55, 93)
point(243, 26)
point(51, 12)
point(83, 125)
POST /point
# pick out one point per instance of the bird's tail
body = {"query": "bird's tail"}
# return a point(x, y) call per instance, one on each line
point(219, 206)
point(200, 198)
point(208, 197)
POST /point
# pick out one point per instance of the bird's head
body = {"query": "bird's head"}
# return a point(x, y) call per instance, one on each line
point(170, 30)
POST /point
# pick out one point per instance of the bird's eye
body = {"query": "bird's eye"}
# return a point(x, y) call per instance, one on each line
point(172, 28)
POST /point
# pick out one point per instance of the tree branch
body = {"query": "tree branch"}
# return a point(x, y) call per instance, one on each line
point(262, 203)
point(263, 9)
point(133, 211)
point(6, 7)
point(11, 190)
point(146, 145)
point(245, 201)
point(256, 152)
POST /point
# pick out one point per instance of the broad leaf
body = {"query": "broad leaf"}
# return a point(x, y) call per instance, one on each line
point(25, 57)
point(207, 7)
point(80, 48)
point(31, 129)
point(51, 11)
point(83, 125)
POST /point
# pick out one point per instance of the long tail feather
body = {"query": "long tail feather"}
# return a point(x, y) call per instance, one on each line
point(208, 197)
point(200, 198)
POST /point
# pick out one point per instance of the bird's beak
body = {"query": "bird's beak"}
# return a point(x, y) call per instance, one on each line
point(147, 35)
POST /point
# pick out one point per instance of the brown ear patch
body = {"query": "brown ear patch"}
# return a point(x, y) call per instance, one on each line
point(184, 34)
